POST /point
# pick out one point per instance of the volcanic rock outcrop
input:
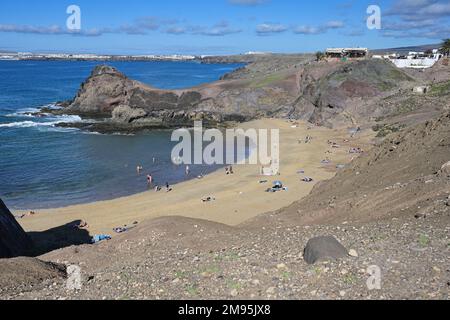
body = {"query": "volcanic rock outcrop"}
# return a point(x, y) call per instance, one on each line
point(14, 241)
point(131, 105)
point(325, 93)
point(333, 92)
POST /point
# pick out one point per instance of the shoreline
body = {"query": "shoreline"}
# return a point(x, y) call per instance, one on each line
point(239, 197)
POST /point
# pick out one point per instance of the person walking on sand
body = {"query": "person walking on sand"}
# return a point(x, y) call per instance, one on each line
point(168, 189)
point(149, 179)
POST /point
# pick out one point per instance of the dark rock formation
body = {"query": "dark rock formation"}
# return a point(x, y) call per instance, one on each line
point(14, 241)
point(342, 92)
point(127, 105)
point(322, 248)
point(274, 86)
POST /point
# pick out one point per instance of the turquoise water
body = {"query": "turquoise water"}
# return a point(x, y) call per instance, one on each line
point(42, 166)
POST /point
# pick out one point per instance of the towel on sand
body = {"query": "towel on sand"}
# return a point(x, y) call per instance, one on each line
point(100, 237)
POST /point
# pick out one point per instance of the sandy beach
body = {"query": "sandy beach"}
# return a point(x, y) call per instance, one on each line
point(238, 197)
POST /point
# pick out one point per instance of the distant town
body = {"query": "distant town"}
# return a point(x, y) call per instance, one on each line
point(425, 57)
point(93, 57)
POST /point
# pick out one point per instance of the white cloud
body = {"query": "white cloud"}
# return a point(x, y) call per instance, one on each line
point(313, 30)
point(268, 28)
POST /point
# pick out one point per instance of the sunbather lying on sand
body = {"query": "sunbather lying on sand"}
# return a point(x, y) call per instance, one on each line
point(82, 225)
point(209, 199)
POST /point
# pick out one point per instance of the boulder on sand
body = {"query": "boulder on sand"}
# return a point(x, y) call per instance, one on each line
point(14, 241)
point(324, 248)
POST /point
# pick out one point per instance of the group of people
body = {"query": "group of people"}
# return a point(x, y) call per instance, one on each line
point(29, 214)
point(229, 170)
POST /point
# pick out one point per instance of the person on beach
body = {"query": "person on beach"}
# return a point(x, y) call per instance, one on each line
point(82, 225)
point(188, 170)
point(149, 179)
point(139, 169)
point(168, 188)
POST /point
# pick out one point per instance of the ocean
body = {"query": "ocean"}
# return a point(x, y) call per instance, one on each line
point(42, 166)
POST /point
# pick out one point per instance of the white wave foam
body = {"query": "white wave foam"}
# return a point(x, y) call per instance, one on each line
point(94, 133)
point(28, 112)
point(31, 124)
point(24, 124)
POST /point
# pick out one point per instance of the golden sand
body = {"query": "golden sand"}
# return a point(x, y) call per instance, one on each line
point(239, 197)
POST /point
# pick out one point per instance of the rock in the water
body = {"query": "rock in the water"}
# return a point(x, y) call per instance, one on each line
point(323, 248)
point(14, 242)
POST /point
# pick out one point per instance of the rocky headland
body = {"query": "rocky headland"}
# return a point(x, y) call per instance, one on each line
point(284, 86)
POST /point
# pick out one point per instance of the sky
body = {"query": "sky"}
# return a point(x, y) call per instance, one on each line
point(218, 26)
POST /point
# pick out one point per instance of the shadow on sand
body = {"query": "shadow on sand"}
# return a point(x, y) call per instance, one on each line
point(58, 238)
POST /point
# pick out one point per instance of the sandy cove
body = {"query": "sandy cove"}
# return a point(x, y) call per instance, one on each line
point(239, 197)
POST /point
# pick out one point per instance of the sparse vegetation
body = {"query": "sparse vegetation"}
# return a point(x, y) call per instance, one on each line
point(386, 129)
point(440, 89)
point(192, 290)
point(320, 56)
point(424, 240)
point(270, 79)
point(349, 279)
point(445, 47)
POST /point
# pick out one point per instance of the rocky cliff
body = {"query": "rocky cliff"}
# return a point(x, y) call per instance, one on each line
point(342, 92)
point(14, 241)
point(130, 105)
point(325, 93)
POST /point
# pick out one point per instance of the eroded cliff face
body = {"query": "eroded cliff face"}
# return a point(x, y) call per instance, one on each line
point(332, 93)
point(14, 242)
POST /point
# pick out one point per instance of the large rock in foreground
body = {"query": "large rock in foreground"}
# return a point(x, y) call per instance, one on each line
point(14, 241)
point(324, 248)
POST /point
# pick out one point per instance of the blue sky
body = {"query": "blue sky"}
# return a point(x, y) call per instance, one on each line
point(218, 26)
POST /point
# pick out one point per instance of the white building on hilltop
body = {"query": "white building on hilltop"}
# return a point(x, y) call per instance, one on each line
point(417, 60)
